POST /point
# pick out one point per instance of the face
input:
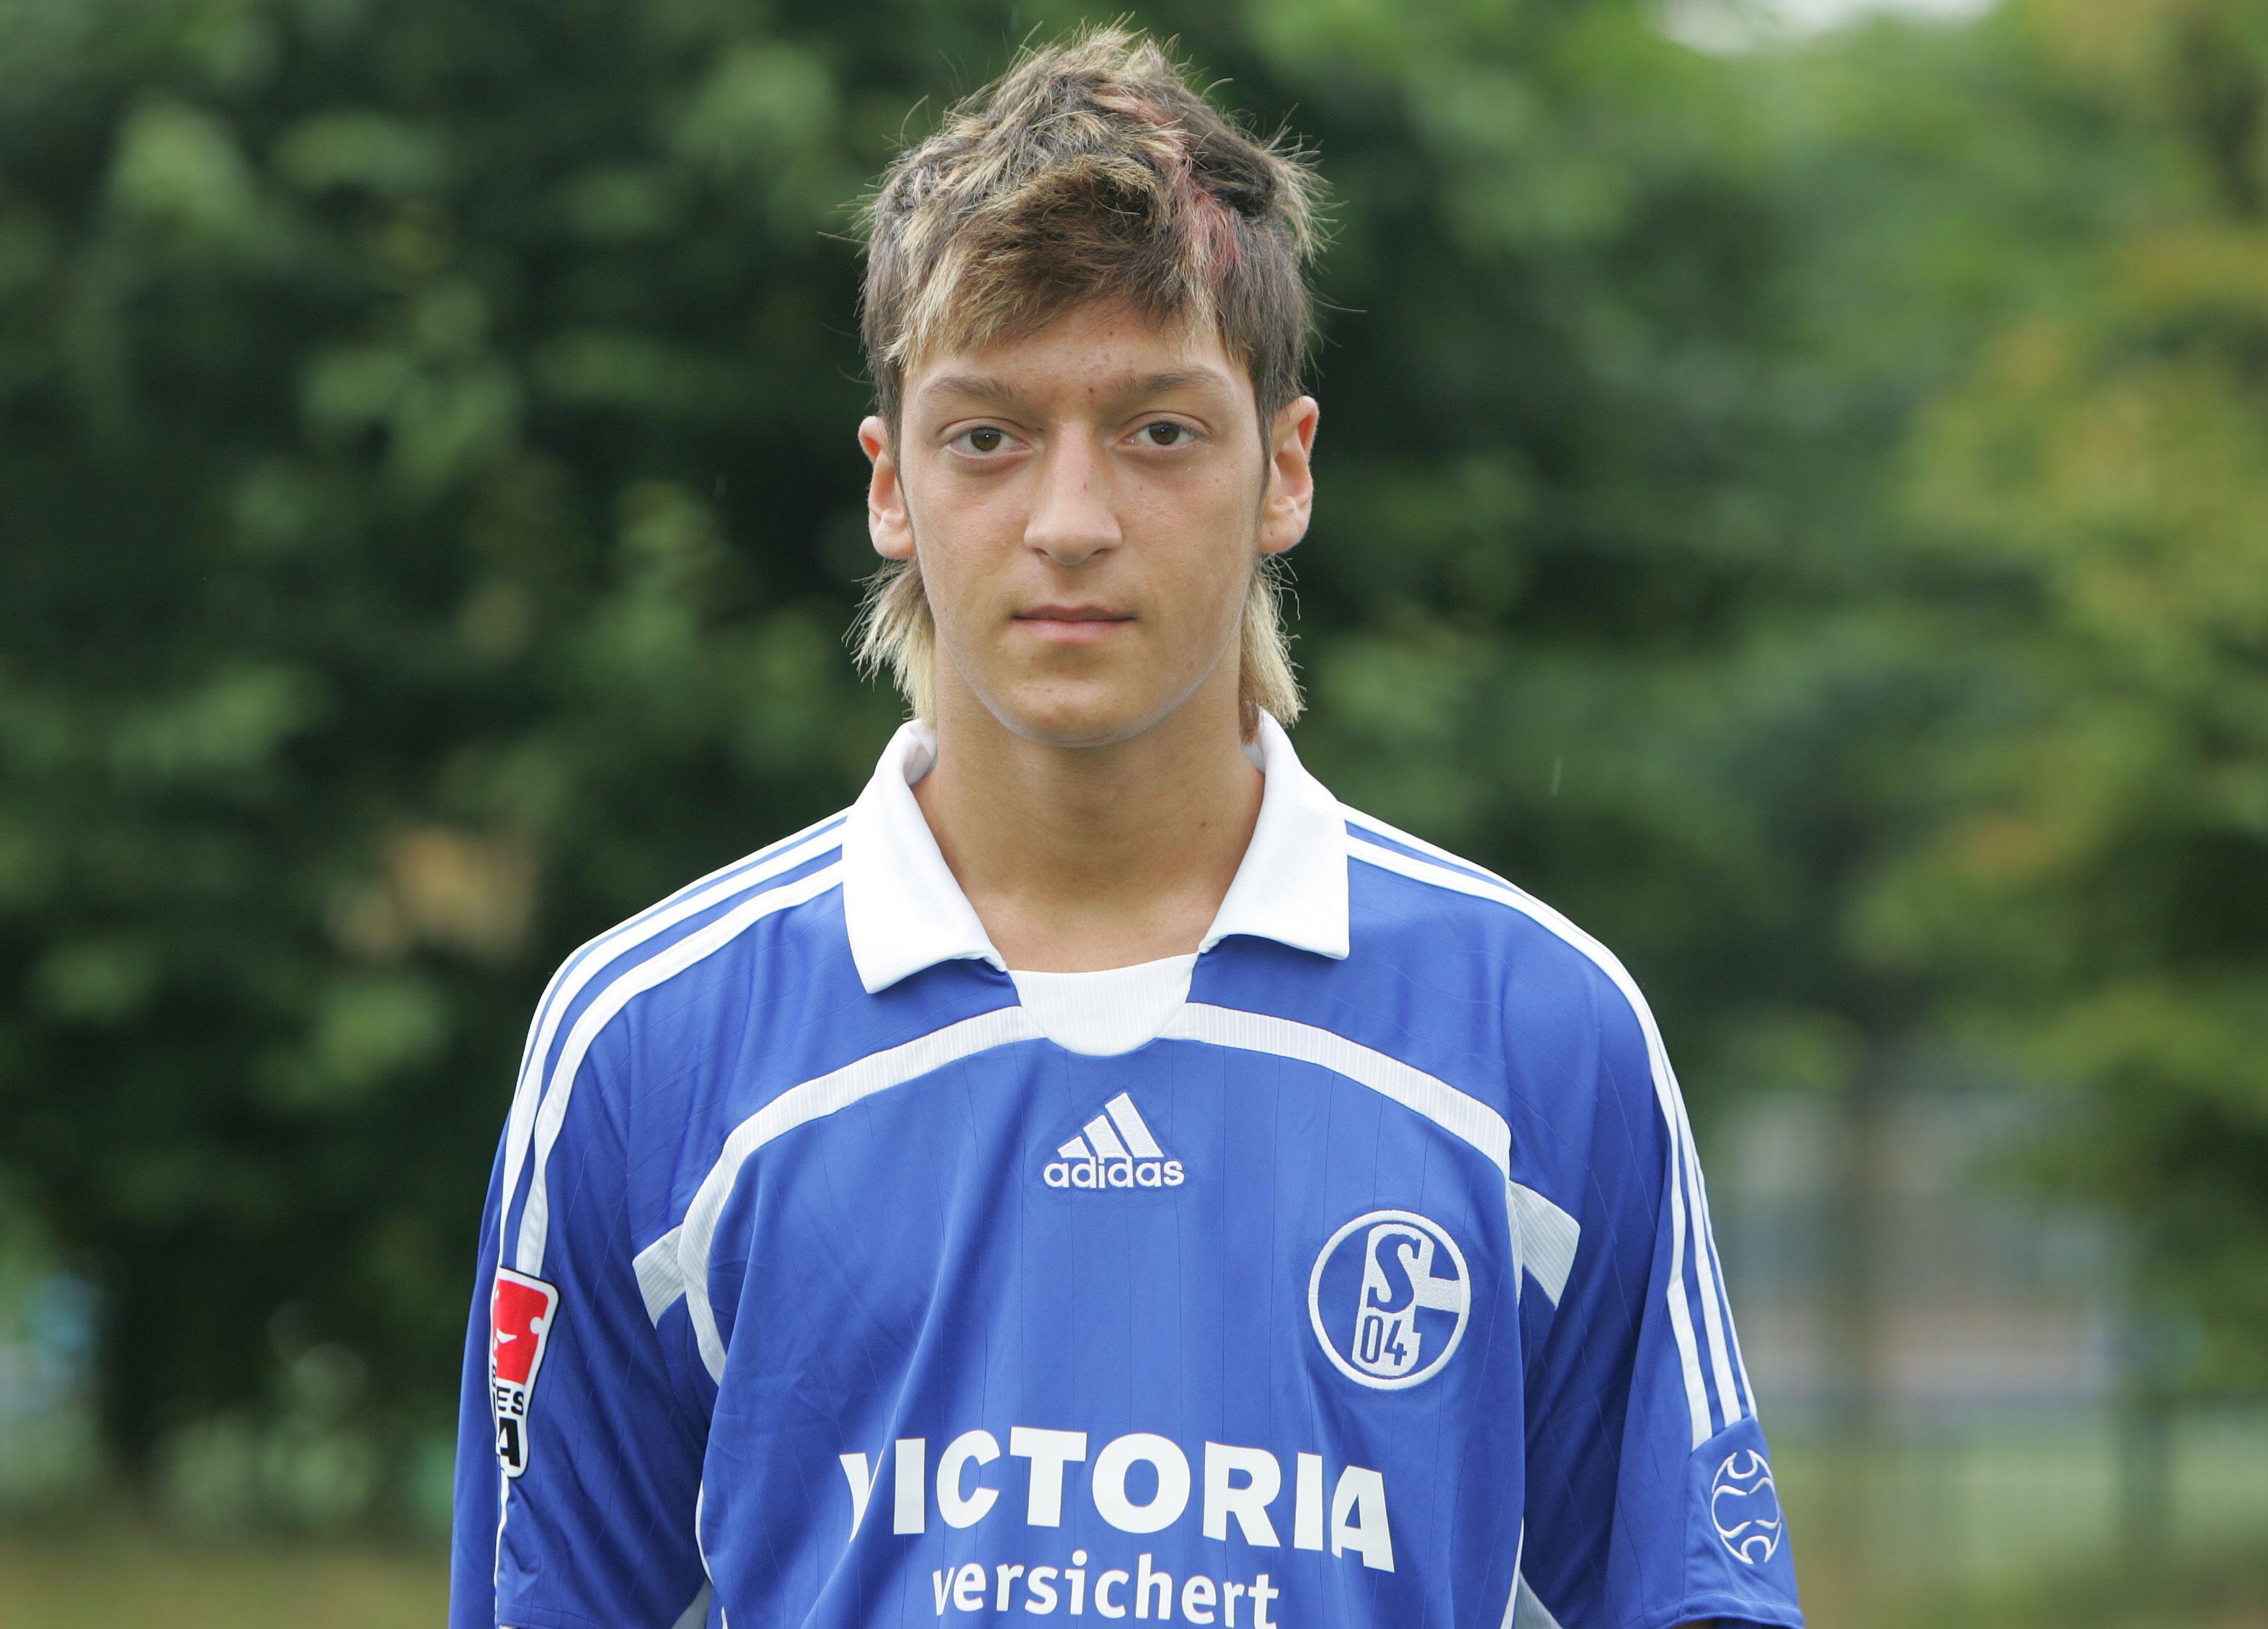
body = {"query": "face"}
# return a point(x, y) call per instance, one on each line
point(1088, 504)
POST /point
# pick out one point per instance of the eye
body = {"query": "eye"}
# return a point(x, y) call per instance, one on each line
point(1164, 433)
point(983, 440)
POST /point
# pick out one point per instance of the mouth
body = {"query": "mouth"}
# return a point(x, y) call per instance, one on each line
point(1074, 624)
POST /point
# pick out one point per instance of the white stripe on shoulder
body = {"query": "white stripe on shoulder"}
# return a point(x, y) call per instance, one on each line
point(1685, 1215)
point(576, 972)
point(1724, 1291)
point(1704, 1260)
point(799, 1105)
point(1372, 826)
point(603, 951)
point(535, 1219)
point(1544, 1236)
point(578, 966)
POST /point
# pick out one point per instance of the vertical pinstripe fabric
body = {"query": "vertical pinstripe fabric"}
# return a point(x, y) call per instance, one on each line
point(1689, 1232)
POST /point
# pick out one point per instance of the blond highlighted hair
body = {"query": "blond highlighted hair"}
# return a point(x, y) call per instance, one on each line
point(1089, 171)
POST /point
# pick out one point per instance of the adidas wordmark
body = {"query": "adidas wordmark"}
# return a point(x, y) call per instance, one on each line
point(1114, 1150)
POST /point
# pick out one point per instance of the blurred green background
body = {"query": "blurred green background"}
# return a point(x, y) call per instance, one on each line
point(1793, 492)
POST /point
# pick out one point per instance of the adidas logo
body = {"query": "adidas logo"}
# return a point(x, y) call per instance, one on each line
point(1114, 1150)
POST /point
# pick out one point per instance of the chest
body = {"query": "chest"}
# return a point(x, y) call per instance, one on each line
point(1186, 1229)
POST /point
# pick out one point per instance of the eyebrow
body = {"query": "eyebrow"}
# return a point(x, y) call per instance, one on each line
point(987, 388)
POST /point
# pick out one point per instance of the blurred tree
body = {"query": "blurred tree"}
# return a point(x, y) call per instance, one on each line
point(414, 561)
point(2098, 900)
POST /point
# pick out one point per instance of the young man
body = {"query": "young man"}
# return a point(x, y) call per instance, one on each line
point(1098, 1174)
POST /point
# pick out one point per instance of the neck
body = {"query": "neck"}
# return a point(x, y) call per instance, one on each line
point(1081, 857)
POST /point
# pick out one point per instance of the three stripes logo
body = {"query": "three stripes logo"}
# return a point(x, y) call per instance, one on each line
point(1114, 1150)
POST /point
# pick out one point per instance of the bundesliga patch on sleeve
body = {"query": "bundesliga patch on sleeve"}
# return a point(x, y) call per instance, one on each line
point(521, 1315)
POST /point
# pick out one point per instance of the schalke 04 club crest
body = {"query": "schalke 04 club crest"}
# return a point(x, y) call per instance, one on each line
point(1388, 1298)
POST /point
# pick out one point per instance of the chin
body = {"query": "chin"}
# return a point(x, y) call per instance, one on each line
point(1076, 715)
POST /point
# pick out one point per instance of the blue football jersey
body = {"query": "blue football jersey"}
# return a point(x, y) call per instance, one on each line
point(1354, 1272)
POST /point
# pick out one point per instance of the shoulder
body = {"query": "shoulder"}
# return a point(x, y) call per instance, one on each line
point(683, 946)
point(622, 1018)
point(1563, 1036)
point(1454, 924)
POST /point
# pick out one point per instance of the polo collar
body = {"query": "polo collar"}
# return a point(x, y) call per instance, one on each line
point(904, 911)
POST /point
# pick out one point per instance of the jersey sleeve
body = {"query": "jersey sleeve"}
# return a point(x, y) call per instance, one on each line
point(1651, 1501)
point(577, 1465)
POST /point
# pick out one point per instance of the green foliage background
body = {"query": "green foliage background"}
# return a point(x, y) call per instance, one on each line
point(1804, 512)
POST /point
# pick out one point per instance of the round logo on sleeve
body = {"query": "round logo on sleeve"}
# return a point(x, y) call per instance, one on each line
point(1744, 1507)
point(1388, 1298)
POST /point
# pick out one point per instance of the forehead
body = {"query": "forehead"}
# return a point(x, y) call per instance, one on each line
point(1088, 353)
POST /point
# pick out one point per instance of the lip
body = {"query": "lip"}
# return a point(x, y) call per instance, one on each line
point(1074, 624)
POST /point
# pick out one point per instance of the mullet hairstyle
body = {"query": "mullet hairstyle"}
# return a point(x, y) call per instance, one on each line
point(1090, 171)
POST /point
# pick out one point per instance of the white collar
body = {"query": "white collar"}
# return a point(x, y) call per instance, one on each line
point(904, 911)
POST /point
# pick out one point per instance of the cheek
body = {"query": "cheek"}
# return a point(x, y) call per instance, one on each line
point(951, 543)
point(1205, 582)
point(1220, 535)
point(955, 596)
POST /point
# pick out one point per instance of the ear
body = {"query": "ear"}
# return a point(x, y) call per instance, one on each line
point(888, 521)
point(1289, 498)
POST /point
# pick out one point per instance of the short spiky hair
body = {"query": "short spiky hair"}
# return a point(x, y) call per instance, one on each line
point(1089, 171)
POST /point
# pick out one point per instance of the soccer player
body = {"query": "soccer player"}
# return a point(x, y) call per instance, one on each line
point(1098, 1174)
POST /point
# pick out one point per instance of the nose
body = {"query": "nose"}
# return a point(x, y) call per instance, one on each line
point(1071, 518)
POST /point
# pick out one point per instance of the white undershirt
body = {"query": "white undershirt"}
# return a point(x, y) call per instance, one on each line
point(1111, 1010)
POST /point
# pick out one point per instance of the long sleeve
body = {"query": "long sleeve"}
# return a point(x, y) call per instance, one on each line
point(578, 1467)
point(1650, 1500)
